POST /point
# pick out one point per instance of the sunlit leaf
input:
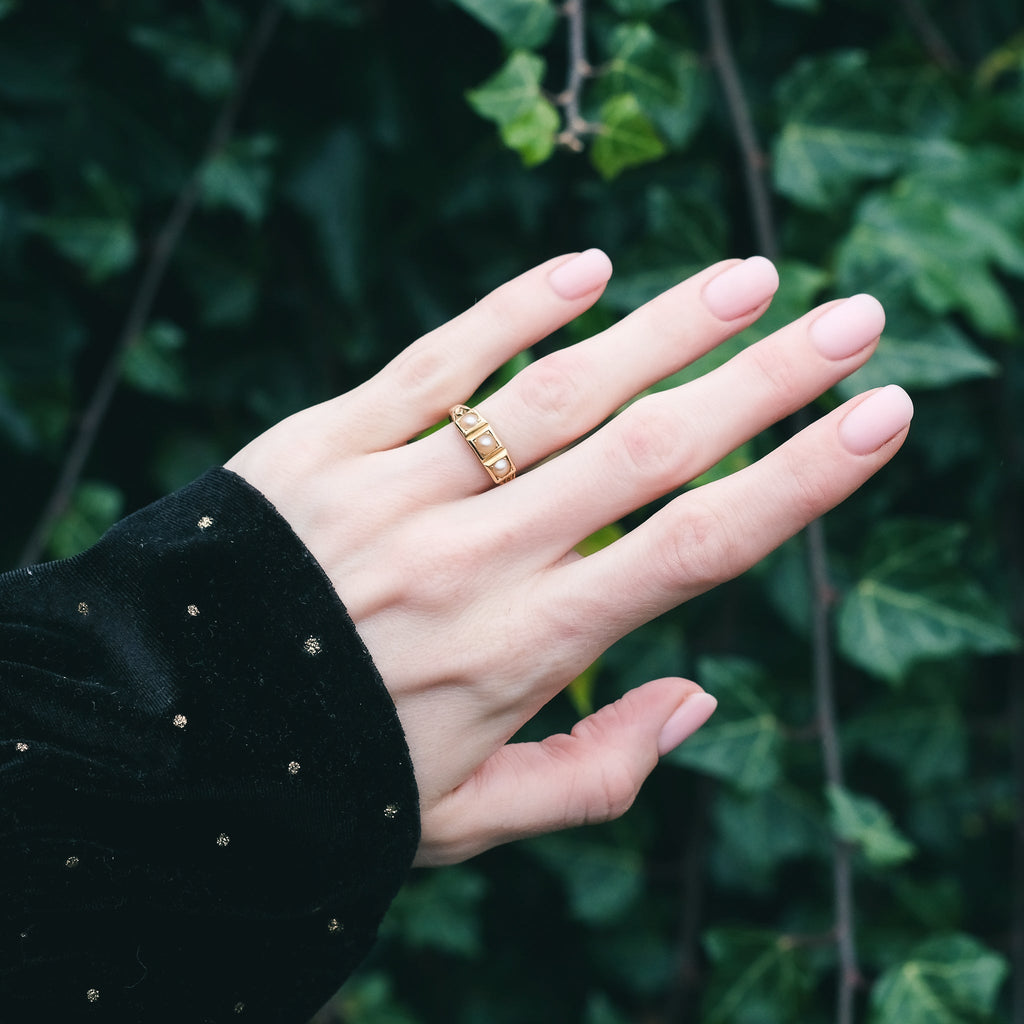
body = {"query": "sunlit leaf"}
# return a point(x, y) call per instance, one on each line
point(866, 823)
point(626, 137)
point(947, 980)
point(514, 99)
point(668, 82)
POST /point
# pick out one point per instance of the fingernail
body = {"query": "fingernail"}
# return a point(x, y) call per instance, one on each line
point(741, 288)
point(846, 329)
point(581, 275)
point(685, 721)
point(879, 418)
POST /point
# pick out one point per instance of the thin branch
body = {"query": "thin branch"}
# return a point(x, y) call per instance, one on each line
point(163, 249)
point(754, 161)
point(759, 196)
point(570, 99)
point(935, 43)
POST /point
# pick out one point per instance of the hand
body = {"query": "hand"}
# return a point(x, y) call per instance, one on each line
point(471, 598)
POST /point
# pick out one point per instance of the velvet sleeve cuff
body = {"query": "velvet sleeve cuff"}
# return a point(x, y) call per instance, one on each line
point(206, 799)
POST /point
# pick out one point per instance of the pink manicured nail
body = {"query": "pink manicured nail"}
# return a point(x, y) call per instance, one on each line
point(845, 329)
point(741, 288)
point(581, 275)
point(879, 418)
point(685, 721)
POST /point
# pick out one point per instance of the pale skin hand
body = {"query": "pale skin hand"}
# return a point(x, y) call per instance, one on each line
point(471, 598)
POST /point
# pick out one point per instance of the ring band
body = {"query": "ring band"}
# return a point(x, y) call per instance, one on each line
point(482, 439)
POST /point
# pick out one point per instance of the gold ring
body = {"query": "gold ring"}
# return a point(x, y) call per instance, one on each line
point(482, 439)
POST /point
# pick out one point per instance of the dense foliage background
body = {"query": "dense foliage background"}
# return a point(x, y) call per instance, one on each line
point(214, 213)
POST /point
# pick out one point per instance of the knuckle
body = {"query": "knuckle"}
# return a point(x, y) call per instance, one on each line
point(551, 387)
point(702, 549)
point(775, 372)
point(420, 369)
point(650, 444)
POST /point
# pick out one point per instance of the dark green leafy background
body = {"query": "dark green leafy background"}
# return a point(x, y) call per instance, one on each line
point(378, 168)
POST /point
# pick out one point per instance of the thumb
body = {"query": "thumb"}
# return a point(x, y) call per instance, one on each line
point(588, 776)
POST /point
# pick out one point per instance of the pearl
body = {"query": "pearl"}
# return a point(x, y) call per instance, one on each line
point(500, 467)
point(470, 420)
point(485, 441)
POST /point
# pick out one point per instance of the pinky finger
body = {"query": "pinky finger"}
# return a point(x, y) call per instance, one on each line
point(588, 776)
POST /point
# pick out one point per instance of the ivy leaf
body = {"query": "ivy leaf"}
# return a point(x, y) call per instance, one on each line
point(758, 976)
point(786, 822)
point(514, 100)
point(601, 881)
point(440, 911)
point(627, 137)
point(239, 177)
point(948, 980)
point(667, 81)
point(915, 602)
point(153, 362)
point(920, 352)
point(94, 508)
point(638, 8)
point(926, 236)
point(101, 246)
point(864, 821)
point(741, 742)
point(341, 12)
point(840, 128)
point(522, 24)
point(205, 68)
point(926, 741)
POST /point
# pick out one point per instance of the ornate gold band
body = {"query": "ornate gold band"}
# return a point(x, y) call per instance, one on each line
point(482, 439)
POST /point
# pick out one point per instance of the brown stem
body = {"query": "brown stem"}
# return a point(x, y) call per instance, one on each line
point(570, 99)
point(163, 249)
point(759, 197)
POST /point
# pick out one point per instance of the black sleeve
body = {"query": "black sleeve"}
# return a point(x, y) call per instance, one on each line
point(206, 799)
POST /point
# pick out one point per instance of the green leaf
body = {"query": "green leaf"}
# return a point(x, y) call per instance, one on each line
point(514, 100)
point(153, 362)
point(920, 352)
point(327, 190)
point(440, 911)
point(8, 7)
point(368, 998)
point(341, 12)
point(202, 66)
point(601, 881)
point(915, 602)
point(101, 246)
point(926, 741)
point(638, 8)
point(94, 508)
point(626, 138)
point(668, 82)
point(522, 24)
point(840, 128)
point(787, 824)
point(948, 980)
point(239, 177)
point(931, 237)
point(759, 977)
point(862, 820)
point(741, 742)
